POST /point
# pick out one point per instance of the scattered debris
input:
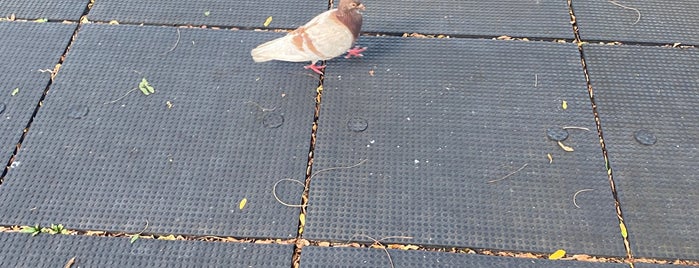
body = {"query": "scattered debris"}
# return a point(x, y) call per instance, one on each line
point(70, 263)
point(575, 202)
point(557, 254)
point(565, 147)
point(508, 175)
point(267, 21)
point(242, 203)
point(638, 12)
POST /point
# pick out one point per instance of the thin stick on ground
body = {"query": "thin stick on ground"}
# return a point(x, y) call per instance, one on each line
point(70, 263)
point(580, 128)
point(274, 192)
point(335, 168)
point(122, 97)
point(390, 260)
point(508, 175)
point(631, 8)
point(575, 202)
point(176, 42)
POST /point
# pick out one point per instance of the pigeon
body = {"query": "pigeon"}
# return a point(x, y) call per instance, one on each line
point(326, 36)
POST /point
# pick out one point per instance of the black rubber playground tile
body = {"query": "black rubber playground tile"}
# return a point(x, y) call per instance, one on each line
point(27, 48)
point(648, 105)
point(43, 9)
point(285, 14)
point(23, 250)
point(658, 21)
point(532, 19)
point(650, 265)
point(436, 126)
point(366, 257)
point(219, 128)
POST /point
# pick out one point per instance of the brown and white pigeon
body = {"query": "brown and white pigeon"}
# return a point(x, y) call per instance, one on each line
point(326, 36)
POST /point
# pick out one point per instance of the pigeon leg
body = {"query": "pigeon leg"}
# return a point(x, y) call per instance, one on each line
point(316, 68)
point(355, 52)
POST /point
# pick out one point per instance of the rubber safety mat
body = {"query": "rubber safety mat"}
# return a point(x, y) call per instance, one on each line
point(29, 53)
point(199, 155)
point(649, 265)
point(23, 250)
point(284, 14)
point(656, 21)
point(450, 146)
point(532, 19)
point(42, 9)
point(649, 107)
point(364, 257)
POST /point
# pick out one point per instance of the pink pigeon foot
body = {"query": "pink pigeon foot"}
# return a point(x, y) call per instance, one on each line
point(355, 52)
point(316, 68)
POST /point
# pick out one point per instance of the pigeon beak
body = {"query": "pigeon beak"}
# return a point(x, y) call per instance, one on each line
point(361, 7)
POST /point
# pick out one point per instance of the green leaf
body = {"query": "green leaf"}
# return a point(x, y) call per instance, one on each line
point(134, 238)
point(41, 20)
point(15, 91)
point(145, 87)
point(34, 230)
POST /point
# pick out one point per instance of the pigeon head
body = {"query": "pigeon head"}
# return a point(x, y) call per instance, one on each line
point(351, 5)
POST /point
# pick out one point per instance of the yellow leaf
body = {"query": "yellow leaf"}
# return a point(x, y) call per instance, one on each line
point(302, 219)
point(565, 147)
point(242, 203)
point(622, 226)
point(268, 21)
point(168, 237)
point(557, 254)
point(564, 105)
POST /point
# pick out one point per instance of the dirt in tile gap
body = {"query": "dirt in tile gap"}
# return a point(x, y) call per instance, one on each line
point(54, 72)
point(610, 174)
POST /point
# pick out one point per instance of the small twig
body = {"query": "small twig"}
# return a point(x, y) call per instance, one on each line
point(263, 109)
point(536, 80)
point(274, 187)
point(70, 263)
point(580, 128)
point(176, 42)
point(274, 192)
point(508, 175)
point(576, 196)
point(335, 168)
point(122, 97)
point(631, 8)
point(144, 228)
point(390, 260)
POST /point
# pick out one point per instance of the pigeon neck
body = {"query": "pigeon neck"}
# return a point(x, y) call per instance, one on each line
point(352, 19)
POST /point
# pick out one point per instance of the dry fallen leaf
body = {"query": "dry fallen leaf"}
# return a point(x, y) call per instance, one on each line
point(557, 254)
point(242, 203)
point(622, 226)
point(565, 147)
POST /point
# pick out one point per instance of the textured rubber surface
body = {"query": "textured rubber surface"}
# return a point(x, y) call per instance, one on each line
point(660, 21)
point(97, 160)
point(26, 48)
point(533, 19)
point(23, 250)
point(441, 124)
point(43, 9)
point(652, 89)
point(365, 257)
point(647, 265)
point(285, 14)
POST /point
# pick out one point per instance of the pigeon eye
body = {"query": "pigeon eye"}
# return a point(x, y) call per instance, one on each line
point(353, 4)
